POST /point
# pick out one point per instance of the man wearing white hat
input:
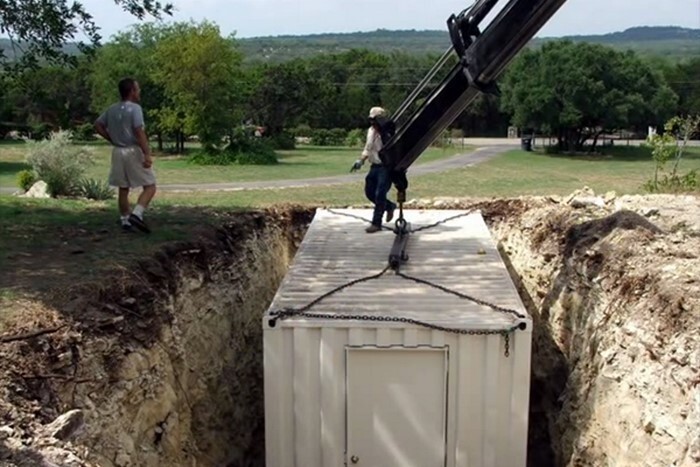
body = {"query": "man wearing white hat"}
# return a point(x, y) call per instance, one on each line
point(377, 182)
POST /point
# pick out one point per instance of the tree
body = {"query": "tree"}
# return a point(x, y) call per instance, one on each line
point(671, 145)
point(200, 74)
point(39, 29)
point(577, 91)
point(284, 93)
point(684, 81)
point(53, 96)
point(130, 54)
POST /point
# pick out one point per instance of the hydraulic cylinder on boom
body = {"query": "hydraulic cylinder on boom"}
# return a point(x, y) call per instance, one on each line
point(482, 57)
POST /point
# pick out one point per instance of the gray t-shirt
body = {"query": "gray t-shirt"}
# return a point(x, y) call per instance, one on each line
point(121, 119)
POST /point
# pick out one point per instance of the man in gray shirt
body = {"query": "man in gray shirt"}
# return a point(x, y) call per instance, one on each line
point(123, 126)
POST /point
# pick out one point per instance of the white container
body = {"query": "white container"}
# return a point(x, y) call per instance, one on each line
point(393, 394)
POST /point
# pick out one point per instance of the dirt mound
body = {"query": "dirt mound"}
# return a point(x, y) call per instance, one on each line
point(614, 288)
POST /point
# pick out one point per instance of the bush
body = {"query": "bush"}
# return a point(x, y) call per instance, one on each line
point(257, 158)
point(674, 183)
point(302, 131)
point(283, 141)
point(213, 157)
point(334, 137)
point(40, 131)
point(95, 189)
point(26, 178)
point(242, 149)
point(59, 163)
point(356, 138)
point(85, 132)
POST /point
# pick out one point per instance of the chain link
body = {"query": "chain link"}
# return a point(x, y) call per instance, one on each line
point(478, 301)
point(443, 221)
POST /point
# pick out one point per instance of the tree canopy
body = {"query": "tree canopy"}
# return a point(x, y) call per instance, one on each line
point(576, 91)
point(40, 29)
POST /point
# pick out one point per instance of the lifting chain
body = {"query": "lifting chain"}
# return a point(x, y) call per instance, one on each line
point(401, 229)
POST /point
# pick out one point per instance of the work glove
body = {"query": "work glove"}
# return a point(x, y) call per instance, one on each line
point(357, 165)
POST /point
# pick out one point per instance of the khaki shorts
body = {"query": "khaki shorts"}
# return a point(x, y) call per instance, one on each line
point(127, 168)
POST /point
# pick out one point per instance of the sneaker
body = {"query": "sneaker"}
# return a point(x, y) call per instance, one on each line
point(390, 214)
point(137, 222)
point(373, 228)
point(126, 228)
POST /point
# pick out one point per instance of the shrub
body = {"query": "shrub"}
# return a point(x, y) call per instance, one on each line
point(242, 149)
point(303, 131)
point(84, 132)
point(40, 131)
point(283, 141)
point(212, 157)
point(356, 138)
point(266, 157)
point(95, 189)
point(674, 183)
point(25, 179)
point(59, 163)
point(334, 137)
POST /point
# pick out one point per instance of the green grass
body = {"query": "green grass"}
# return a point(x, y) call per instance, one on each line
point(305, 162)
point(514, 173)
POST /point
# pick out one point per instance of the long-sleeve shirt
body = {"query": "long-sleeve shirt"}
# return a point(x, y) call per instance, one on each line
point(373, 146)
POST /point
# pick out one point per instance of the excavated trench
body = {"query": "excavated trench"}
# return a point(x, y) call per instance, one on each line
point(170, 360)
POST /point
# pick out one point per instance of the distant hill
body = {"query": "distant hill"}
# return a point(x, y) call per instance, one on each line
point(668, 41)
point(280, 48)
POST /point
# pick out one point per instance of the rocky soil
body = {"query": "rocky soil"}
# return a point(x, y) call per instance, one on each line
point(160, 365)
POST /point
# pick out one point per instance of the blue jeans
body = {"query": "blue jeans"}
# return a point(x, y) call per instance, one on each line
point(377, 185)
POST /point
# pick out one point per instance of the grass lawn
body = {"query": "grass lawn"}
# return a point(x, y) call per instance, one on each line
point(514, 173)
point(46, 243)
point(304, 162)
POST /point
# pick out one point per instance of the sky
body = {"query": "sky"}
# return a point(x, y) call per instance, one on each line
point(250, 18)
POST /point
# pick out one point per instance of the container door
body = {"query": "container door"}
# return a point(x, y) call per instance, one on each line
point(396, 407)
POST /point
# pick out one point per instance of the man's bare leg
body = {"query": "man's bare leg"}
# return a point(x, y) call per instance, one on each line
point(146, 196)
point(144, 200)
point(124, 209)
point(124, 202)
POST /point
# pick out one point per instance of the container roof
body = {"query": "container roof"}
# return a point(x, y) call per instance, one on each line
point(458, 254)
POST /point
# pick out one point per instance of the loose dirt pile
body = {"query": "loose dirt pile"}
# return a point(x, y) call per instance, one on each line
point(162, 365)
point(614, 287)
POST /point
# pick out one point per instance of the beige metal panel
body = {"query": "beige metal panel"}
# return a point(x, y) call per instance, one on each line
point(332, 396)
point(490, 383)
point(307, 416)
point(396, 407)
point(504, 389)
point(279, 398)
point(459, 254)
point(470, 422)
point(520, 397)
point(487, 399)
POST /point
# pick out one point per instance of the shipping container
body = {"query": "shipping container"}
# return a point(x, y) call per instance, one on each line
point(397, 370)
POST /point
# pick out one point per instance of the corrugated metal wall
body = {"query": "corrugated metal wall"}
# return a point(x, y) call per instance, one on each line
point(305, 394)
point(305, 359)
